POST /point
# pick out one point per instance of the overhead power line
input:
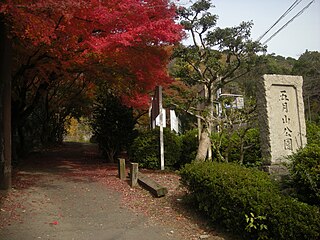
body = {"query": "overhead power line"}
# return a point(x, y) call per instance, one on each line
point(287, 23)
point(281, 17)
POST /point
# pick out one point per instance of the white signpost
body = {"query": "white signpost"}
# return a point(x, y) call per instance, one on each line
point(161, 130)
point(158, 118)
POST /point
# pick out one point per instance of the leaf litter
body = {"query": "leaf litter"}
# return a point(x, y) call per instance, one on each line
point(169, 211)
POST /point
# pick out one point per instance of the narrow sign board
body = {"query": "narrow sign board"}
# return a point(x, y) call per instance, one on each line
point(161, 130)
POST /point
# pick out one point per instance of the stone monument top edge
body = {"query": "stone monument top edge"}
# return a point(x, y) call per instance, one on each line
point(276, 79)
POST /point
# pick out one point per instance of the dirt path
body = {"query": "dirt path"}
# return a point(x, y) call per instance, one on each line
point(67, 193)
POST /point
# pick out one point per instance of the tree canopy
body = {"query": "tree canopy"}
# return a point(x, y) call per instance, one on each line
point(308, 66)
point(63, 49)
point(215, 58)
point(129, 35)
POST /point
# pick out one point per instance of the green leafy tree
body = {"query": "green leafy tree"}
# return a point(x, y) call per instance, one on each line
point(113, 124)
point(216, 58)
point(269, 64)
point(308, 66)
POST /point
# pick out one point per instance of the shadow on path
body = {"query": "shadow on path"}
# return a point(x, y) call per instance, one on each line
point(58, 194)
point(59, 158)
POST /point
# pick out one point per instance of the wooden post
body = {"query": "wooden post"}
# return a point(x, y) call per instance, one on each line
point(134, 174)
point(122, 168)
point(5, 109)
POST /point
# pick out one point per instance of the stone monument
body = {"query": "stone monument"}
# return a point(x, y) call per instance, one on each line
point(281, 119)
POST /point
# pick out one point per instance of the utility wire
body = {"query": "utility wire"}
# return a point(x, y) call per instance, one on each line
point(287, 23)
point(281, 17)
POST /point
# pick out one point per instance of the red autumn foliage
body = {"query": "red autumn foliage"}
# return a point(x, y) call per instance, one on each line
point(127, 38)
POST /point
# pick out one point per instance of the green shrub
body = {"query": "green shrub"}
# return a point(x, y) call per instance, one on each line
point(245, 201)
point(225, 147)
point(241, 146)
point(313, 133)
point(189, 147)
point(305, 173)
point(146, 149)
point(252, 153)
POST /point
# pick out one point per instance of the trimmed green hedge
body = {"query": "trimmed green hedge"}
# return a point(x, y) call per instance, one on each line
point(248, 203)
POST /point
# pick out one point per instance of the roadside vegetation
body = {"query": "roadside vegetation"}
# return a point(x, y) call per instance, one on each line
point(98, 73)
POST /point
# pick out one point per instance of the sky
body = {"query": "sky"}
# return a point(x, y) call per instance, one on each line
point(302, 34)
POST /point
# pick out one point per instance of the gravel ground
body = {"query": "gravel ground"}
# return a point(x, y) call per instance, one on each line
point(54, 191)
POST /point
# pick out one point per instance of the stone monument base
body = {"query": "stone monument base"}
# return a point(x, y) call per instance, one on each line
point(278, 172)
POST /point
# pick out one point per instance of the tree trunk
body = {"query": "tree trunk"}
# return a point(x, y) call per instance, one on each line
point(204, 145)
point(241, 151)
point(111, 153)
point(228, 150)
point(5, 109)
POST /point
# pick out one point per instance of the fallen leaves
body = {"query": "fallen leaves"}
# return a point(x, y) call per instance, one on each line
point(167, 211)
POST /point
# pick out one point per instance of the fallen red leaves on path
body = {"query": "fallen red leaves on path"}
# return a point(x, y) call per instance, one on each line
point(169, 211)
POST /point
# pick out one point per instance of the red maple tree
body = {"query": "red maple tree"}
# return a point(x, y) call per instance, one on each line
point(123, 42)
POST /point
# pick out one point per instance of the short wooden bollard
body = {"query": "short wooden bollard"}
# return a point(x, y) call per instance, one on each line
point(122, 168)
point(134, 174)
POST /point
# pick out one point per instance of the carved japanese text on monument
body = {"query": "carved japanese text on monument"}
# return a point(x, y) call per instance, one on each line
point(287, 129)
point(281, 117)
